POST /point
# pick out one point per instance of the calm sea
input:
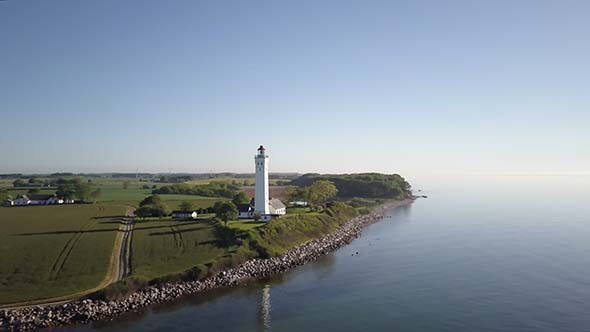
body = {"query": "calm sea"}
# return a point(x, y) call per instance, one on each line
point(479, 254)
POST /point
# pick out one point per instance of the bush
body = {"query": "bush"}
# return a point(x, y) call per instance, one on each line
point(120, 289)
point(363, 210)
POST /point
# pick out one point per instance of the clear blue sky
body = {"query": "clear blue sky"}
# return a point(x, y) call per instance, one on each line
point(327, 86)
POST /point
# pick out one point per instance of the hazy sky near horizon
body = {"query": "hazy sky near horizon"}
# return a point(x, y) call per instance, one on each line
point(327, 86)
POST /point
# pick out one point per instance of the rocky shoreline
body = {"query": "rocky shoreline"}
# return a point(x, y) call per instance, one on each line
point(85, 311)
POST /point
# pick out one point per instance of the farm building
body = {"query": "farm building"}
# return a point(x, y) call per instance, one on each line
point(29, 199)
point(184, 215)
point(245, 211)
point(276, 208)
point(8, 202)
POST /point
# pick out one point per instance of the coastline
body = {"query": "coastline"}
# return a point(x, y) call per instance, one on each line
point(86, 311)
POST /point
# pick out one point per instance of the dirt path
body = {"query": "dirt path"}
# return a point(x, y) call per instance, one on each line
point(123, 268)
point(119, 266)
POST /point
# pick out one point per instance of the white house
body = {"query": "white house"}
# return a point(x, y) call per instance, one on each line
point(30, 199)
point(276, 207)
point(264, 207)
point(8, 202)
point(245, 211)
point(184, 215)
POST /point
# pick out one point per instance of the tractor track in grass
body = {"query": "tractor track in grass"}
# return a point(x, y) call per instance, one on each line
point(123, 268)
point(178, 239)
point(67, 249)
point(119, 266)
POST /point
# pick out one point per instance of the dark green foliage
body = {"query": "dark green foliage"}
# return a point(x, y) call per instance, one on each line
point(152, 206)
point(368, 185)
point(225, 211)
point(240, 198)
point(120, 289)
point(319, 192)
point(213, 189)
point(4, 195)
point(363, 210)
point(74, 188)
point(195, 273)
point(151, 211)
point(18, 183)
point(365, 202)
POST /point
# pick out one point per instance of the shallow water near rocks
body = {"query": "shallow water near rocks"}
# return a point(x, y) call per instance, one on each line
point(480, 254)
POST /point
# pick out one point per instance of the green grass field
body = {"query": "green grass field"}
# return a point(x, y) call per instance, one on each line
point(245, 224)
point(51, 251)
point(162, 247)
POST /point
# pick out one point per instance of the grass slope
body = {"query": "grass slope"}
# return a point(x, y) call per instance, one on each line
point(282, 234)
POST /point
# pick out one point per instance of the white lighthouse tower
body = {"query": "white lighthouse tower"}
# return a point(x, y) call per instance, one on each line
point(261, 199)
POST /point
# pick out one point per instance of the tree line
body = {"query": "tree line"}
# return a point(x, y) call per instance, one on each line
point(367, 185)
point(212, 189)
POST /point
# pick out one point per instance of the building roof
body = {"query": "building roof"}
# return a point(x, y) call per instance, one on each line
point(244, 207)
point(31, 197)
point(275, 204)
point(183, 212)
point(261, 148)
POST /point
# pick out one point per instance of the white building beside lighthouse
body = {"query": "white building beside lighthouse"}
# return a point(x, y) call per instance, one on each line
point(264, 206)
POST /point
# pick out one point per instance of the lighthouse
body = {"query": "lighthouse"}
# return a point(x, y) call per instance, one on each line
point(261, 199)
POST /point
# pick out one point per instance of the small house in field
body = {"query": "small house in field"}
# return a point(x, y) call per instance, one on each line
point(184, 215)
point(28, 199)
point(276, 207)
point(8, 202)
point(245, 211)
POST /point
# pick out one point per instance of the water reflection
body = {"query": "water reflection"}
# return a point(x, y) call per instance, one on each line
point(265, 309)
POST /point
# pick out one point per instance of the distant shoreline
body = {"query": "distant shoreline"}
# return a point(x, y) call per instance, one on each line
point(86, 311)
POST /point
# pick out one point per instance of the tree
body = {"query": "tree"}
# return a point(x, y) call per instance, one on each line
point(143, 212)
point(152, 206)
point(152, 200)
point(66, 191)
point(95, 195)
point(82, 190)
point(125, 184)
point(18, 183)
point(186, 206)
point(240, 198)
point(320, 192)
point(33, 180)
point(33, 191)
point(293, 194)
point(225, 211)
point(4, 195)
